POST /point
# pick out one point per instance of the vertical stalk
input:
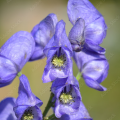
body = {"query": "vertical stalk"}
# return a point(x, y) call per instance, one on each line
point(49, 105)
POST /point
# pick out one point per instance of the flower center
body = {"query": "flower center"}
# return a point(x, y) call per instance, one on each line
point(66, 98)
point(58, 61)
point(27, 115)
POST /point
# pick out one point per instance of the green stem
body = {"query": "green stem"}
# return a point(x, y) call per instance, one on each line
point(19, 74)
point(49, 105)
point(51, 117)
point(78, 76)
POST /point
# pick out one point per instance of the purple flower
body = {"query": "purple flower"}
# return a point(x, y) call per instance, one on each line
point(59, 53)
point(14, 54)
point(67, 96)
point(27, 104)
point(93, 67)
point(82, 114)
point(42, 33)
point(6, 109)
point(89, 28)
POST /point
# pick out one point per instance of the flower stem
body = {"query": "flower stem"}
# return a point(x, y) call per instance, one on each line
point(51, 117)
point(78, 76)
point(49, 105)
point(19, 74)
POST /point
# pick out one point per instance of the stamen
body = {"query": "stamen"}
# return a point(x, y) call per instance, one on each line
point(58, 61)
point(27, 115)
point(66, 98)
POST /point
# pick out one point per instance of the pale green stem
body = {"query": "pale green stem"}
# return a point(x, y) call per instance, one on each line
point(78, 77)
point(19, 74)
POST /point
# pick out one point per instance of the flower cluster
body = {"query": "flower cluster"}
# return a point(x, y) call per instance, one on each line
point(49, 39)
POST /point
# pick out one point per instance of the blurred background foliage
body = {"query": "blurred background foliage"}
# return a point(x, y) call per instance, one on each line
point(16, 15)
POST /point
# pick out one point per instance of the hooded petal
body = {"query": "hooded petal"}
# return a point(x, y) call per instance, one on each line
point(95, 32)
point(82, 9)
point(8, 71)
point(47, 76)
point(6, 109)
point(61, 86)
point(76, 35)
point(60, 38)
point(51, 72)
point(94, 68)
point(26, 99)
point(42, 33)
point(19, 48)
point(82, 114)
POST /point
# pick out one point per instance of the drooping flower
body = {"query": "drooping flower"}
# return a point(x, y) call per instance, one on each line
point(59, 53)
point(82, 114)
point(66, 96)
point(94, 68)
point(42, 33)
point(6, 109)
point(27, 104)
point(89, 28)
point(14, 54)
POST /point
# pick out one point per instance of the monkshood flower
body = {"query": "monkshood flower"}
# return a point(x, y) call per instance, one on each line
point(27, 104)
point(6, 109)
point(59, 53)
point(82, 114)
point(66, 96)
point(14, 54)
point(89, 28)
point(42, 33)
point(93, 67)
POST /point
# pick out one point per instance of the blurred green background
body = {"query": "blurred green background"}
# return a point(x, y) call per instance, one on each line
point(16, 15)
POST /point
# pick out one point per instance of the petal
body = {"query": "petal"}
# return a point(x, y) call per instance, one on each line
point(51, 72)
point(94, 84)
point(42, 33)
point(76, 35)
point(96, 69)
point(85, 56)
point(26, 97)
point(65, 71)
point(82, 9)
point(82, 114)
point(63, 109)
point(6, 109)
point(95, 32)
point(47, 76)
point(19, 48)
point(8, 71)
point(37, 114)
point(94, 48)
point(37, 54)
point(59, 82)
point(19, 111)
point(60, 38)
point(60, 85)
